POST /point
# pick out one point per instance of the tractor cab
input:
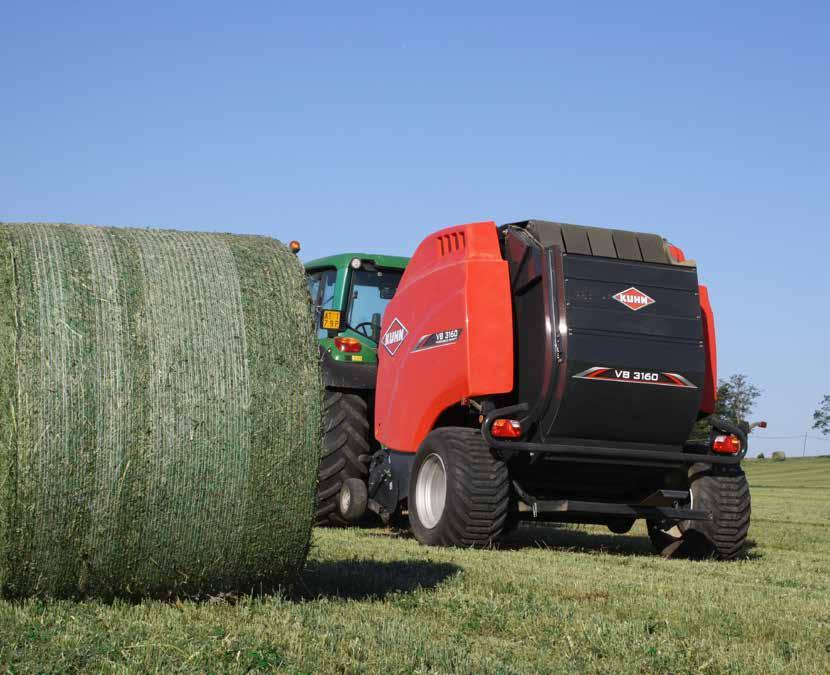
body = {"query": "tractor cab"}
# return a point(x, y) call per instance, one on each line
point(350, 292)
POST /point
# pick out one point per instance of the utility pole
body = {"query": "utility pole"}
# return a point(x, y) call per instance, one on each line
point(804, 453)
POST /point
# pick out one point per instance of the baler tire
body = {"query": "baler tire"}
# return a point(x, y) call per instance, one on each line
point(725, 492)
point(477, 490)
point(345, 452)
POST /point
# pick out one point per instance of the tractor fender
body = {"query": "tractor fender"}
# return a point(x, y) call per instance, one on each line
point(344, 375)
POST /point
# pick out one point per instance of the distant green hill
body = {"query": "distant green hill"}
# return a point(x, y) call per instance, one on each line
point(793, 473)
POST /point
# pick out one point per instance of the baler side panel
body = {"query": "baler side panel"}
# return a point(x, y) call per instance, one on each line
point(710, 383)
point(456, 281)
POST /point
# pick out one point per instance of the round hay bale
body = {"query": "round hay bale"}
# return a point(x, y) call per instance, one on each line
point(159, 412)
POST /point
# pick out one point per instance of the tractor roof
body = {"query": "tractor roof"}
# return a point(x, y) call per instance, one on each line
point(343, 259)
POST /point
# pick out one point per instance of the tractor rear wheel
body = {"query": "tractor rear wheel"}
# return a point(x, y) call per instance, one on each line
point(345, 451)
point(458, 490)
point(724, 491)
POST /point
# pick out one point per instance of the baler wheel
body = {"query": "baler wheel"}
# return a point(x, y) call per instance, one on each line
point(458, 490)
point(725, 492)
point(345, 451)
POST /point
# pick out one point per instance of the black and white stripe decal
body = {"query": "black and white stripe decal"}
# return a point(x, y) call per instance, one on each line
point(635, 376)
point(442, 338)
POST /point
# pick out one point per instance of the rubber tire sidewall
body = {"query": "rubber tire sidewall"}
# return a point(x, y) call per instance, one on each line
point(699, 537)
point(435, 536)
point(445, 533)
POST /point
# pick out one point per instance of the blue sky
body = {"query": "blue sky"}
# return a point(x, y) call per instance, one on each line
point(368, 125)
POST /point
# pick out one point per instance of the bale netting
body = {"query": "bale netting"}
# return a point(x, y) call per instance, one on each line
point(160, 412)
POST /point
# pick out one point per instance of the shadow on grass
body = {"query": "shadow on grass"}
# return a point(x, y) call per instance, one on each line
point(369, 579)
point(569, 538)
point(556, 536)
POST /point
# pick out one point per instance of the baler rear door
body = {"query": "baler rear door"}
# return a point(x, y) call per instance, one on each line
point(628, 361)
point(633, 351)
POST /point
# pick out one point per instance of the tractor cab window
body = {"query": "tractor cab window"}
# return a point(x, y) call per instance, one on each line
point(321, 286)
point(371, 291)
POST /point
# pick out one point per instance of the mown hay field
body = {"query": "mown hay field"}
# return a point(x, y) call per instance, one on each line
point(552, 600)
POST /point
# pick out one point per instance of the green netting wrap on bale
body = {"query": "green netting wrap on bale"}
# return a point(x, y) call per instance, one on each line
point(159, 412)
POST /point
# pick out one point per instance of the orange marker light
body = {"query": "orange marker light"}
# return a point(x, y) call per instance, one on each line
point(726, 445)
point(294, 246)
point(347, 345)
point(506, 429)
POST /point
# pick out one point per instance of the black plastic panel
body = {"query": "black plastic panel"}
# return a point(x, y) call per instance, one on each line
point(663, 337)
point(576, 239)
point(627, 246)
point(602, 243)
point(599, 242)
point(547, 233)
point(592, 330)
point(653, 249)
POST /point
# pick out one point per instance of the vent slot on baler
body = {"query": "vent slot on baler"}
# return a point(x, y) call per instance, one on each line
point(452, 242)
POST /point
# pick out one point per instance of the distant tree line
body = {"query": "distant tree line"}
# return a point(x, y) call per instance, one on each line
point(821, 417)
point(735, 402)
point(736, 398)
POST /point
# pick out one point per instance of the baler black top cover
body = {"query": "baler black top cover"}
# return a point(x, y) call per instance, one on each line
point(609, 336)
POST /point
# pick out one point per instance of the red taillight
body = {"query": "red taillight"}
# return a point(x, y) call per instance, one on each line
point(506, 429)
point(726, 445)
point(347, 345)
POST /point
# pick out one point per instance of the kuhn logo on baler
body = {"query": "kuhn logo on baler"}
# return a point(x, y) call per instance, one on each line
point(394, 336)
point(633, 298)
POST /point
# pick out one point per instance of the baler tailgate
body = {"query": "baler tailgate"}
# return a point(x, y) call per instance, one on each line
point(628, 324)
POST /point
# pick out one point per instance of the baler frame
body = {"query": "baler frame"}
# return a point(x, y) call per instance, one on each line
point(620, 453)
point(663, 505)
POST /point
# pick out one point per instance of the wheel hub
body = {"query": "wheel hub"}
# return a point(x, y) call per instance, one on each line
point(345, 501)
point(431, 491)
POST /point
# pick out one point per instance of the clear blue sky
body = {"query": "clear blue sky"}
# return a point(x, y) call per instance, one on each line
point(368, 125)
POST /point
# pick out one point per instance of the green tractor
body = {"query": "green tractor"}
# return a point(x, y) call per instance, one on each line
point(350, 292)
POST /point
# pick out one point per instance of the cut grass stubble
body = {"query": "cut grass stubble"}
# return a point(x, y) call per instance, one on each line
point(575, 599)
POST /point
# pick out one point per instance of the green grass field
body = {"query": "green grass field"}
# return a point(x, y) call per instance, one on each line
point(553, 599)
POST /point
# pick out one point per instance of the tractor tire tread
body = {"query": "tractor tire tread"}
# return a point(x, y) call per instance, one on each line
point(345, 452)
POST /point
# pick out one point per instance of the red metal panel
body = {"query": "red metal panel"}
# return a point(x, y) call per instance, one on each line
point(677, 254)
point(710, 384)
point(456, 281)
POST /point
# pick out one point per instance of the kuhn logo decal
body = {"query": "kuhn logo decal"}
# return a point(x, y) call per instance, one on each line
point(394, 336)
point(632, 376)
point(633, 298)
